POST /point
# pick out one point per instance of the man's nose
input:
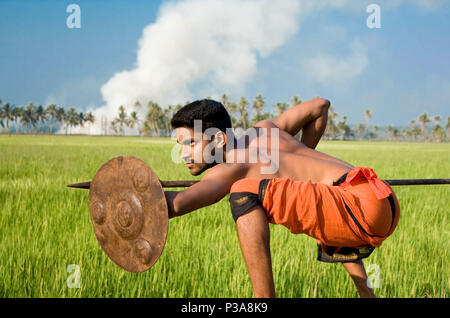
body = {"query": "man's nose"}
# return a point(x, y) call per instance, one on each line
point(186, 154)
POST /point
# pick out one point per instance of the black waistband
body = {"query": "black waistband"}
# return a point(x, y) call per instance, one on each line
point(262, 189)
point(340, 180)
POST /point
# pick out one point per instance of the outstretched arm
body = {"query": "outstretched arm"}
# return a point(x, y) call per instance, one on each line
point(212, 188)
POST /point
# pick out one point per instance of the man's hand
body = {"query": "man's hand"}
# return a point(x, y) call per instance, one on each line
point(170, 197)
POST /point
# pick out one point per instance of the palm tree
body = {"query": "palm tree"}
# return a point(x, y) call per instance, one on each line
point(331, 129)
point(295, 101)
point(61, 116)
point(137, 104)
point(167, 114)
point(243, 111)
point(396, 133)
point(258, 106)
point(51, 113)
point(230, 107)
point(360, 129)
point(1, 118)
point(368, 117)
point(424, 120)
point(41, 116)
point(134, 120)
point(447, 126)
point(89, 118)
point(6, 113)
point(344, 128)
point(146, 129)
point(28, 116)
point(437, 119)
point(122, 120)
point(114, 126)
point(281, 108)
point(17, 114)
point(72, 119)
point(81, 119)
point(413, 129)
point(390, 130)
point(225, 101)
point(154, 119)
point(438, 133)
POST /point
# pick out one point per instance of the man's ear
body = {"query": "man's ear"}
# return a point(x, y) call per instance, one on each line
point(220, 138)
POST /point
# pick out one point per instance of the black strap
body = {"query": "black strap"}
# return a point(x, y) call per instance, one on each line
point(340, 180)
point(262, 189)
point(391, 202)
point(356, 221)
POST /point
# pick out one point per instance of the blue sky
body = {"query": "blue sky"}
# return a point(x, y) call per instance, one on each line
point(399, 71)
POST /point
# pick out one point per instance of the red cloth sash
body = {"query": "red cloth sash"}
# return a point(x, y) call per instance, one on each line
point(378, 186)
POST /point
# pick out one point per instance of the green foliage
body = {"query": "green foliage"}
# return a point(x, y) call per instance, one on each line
point(156, 121)
point(45, 227)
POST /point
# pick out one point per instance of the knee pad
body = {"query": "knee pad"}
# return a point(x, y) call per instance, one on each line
point(246, 194)
point(242, 202)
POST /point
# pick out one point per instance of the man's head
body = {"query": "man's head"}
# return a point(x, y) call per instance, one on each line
point(201, 147)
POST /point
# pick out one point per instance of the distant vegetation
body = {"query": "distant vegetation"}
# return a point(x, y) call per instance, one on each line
point(52, 119)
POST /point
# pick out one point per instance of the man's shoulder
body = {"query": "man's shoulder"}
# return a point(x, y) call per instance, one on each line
point(266, 123)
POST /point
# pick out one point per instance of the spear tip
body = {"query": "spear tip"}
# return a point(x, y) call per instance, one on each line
point(82, 185)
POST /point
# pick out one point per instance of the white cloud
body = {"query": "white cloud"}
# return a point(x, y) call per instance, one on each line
point(212, 44)
point(328, 69)
point(199, 48)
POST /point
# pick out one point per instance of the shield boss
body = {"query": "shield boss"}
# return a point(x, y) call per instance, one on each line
point(129, 213)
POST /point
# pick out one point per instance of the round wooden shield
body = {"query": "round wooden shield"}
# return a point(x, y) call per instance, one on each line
point(129, 213)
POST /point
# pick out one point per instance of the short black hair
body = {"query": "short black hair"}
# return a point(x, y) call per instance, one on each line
point(210, 112)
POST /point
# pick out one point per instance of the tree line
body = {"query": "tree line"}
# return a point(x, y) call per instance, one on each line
point(35, 119)
point(244, 114)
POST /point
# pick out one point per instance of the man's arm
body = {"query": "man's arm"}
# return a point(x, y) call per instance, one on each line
point(212, 188)
point(310, 117)
point(297, 117)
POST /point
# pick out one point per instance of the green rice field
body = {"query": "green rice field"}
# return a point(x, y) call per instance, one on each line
point(45, 227)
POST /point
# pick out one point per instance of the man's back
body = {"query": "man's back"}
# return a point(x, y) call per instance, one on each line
point(276, 154)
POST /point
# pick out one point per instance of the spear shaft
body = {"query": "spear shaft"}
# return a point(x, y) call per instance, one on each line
point(188, 183)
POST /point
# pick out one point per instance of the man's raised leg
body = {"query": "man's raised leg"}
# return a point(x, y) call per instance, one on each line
point(254, 237)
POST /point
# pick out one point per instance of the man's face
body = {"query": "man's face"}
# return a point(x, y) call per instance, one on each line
point(192, 146)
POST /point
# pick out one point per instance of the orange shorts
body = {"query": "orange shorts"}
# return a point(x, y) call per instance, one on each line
point(358, 211)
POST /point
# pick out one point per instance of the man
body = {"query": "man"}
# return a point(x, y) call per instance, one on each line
point(348, 210)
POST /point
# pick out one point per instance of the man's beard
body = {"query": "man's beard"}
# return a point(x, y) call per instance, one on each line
point(202, 168)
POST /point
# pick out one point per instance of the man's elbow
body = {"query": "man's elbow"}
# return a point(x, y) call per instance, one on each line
point(322, 103)
point(318, 106)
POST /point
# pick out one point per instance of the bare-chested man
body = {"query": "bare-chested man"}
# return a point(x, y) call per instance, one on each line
point(348, 210)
